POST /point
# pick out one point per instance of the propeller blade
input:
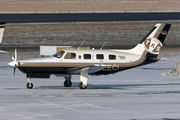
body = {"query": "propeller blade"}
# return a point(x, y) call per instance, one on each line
point(15, 57)
point(14, 70)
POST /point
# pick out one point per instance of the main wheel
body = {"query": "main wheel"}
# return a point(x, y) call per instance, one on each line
point(29, 85)
point(67, 83)
point(81, 86)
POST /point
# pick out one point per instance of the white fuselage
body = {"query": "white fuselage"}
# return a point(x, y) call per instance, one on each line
point(71, 61)
point(85, 57)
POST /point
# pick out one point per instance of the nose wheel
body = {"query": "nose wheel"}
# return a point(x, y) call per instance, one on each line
point(29, 85)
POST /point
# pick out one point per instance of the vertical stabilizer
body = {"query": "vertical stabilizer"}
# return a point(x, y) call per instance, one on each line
point(2, 26)
point(154, 40)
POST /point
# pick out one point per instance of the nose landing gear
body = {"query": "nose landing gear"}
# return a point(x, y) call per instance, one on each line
point(29, 85)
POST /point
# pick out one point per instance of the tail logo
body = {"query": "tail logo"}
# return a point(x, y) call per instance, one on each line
point(152, 45)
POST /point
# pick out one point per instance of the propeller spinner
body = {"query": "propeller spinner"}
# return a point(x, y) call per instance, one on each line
point(14, 63)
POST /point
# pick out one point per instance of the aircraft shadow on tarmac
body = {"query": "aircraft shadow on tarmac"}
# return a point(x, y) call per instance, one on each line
point(148, 68)
point(106, 86)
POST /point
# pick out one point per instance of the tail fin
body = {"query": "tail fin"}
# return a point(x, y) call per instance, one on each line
point(154, 40)
point(150, 46)
point(2, 26)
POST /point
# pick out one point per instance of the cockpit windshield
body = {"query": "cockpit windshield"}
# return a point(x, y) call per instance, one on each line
point(59, 54)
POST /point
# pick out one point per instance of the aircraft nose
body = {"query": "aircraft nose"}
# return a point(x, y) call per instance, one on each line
point(13, 63)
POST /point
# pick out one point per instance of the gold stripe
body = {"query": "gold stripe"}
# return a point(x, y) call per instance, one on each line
point(159, 31)
point(52, 65)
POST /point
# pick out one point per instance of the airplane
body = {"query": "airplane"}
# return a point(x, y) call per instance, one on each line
point(70, 62)
point(2, 26)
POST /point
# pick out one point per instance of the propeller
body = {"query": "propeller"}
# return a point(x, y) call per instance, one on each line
point(14, 63)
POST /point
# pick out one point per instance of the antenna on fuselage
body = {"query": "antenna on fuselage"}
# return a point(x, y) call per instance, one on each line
point(81, 44)
point(103, 45)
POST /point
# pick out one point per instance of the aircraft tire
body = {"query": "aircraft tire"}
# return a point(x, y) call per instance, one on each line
point(81, 86)
point(67, 83)
point(29, 85)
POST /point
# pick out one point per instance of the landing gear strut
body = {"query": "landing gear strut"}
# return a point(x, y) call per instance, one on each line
point(67, 82)
point(81, 86)
point(29, 85)
point(83, 78)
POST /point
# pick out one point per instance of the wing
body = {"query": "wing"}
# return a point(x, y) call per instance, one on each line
point(91, 69)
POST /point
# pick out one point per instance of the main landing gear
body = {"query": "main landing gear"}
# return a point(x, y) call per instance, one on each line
point(67, 82)
point(82, 86)
point(29, 85)
point(83, 79)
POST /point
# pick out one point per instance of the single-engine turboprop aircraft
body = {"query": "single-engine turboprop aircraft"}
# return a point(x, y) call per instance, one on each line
point(2, 26)
point(93, 62)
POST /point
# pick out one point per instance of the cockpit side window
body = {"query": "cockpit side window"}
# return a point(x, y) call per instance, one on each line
point(70, 56)
point(59, 54)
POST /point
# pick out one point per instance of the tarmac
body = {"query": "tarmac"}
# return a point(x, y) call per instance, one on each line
point(140, 93)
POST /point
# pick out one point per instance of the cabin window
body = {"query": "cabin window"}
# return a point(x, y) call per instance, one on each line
point(112, 57)
point(87, 56)
point(70, 56)
point(59, 54)
point(99, 56)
